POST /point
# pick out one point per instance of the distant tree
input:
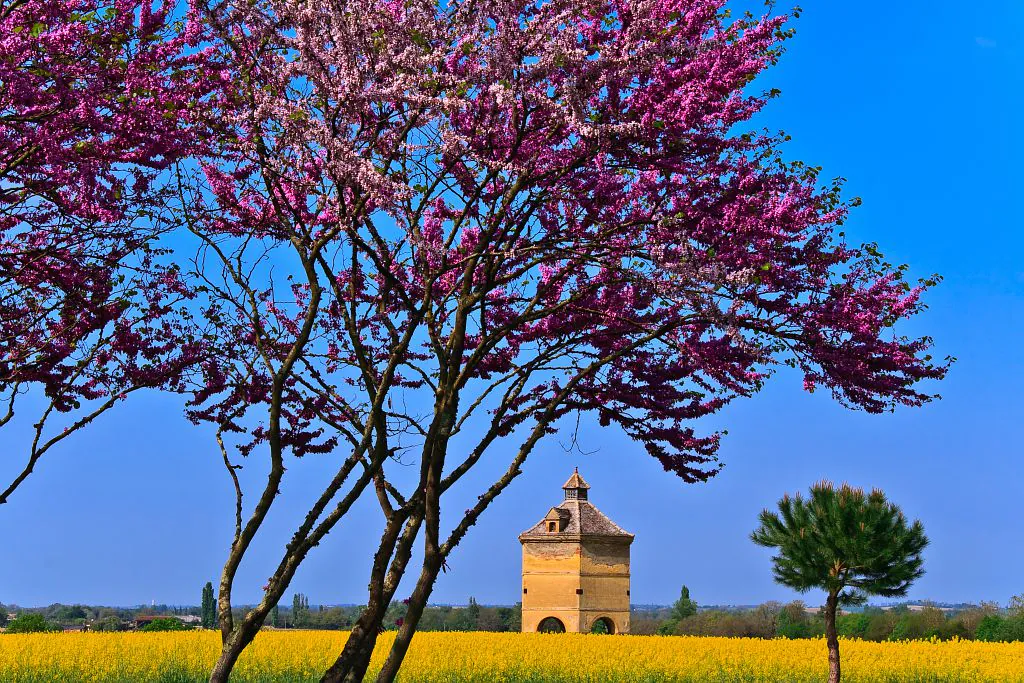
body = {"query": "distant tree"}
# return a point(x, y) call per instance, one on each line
point(996, 628)
point(713, 623)
point(457, 620)
point(845, 542)
point(971, 617)
point(906, 628)
point(793, 622)
point(65, 614)
point(300, 610)
point(165, 624)
point(681, 609)
point(853, 625)
point(275, 617)
point(990, 628)
point(473, 613)
point(208, 612)
point(1016, 606)
point(490, 620)
point(511, 618)
point(684, 606)
point(32, 622)
point(763, 619)
point(882, 624)
point(109, 623)
point(3, 616)
point(644, 624)
point(931, 622)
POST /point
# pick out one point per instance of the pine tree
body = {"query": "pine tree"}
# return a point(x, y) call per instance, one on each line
point(849, 544)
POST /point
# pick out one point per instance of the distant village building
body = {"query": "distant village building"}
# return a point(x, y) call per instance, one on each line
point(576, 568)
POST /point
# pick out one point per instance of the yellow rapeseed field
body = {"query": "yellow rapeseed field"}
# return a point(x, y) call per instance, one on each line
point(451, 657)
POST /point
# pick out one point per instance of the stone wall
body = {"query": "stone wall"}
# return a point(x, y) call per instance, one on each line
point(576, 580)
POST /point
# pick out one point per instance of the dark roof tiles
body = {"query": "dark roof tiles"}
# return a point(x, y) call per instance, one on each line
point(584, 519)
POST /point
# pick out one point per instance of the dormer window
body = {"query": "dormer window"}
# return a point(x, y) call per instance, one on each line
point(555, 521)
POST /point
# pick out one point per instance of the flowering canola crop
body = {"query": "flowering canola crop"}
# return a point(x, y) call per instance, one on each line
point(510, 657)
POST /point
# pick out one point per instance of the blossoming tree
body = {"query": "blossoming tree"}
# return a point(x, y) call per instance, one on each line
point(96, 98)
point(438, 229)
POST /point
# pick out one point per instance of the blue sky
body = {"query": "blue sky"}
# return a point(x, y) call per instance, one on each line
point(917, 108)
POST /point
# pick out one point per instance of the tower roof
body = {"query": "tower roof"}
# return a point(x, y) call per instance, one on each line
point(576, 481)
point(584, 519)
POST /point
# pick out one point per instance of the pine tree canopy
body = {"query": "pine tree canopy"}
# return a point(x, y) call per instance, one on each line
point(844, 541)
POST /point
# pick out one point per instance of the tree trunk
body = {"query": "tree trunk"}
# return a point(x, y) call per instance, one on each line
point(232, 648)
point(831, 638)
point(351, 664)
point(417, 602)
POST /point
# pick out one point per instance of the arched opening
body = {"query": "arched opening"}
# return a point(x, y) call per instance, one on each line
point(551, 625)
point(603, 625)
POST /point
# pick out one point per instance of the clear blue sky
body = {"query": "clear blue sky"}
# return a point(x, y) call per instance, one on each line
point(914, 103)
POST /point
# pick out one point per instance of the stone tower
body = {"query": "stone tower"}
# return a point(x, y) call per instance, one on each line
point(575, 568)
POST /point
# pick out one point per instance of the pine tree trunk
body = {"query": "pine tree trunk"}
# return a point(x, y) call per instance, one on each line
point(831, 637)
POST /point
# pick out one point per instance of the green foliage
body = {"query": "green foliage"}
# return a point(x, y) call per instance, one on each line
point(668, 628)
point(881, 625)
point(772, 620)
point(853, 625)
point(208, 609)
point(447, 618)
point(847, 543)
point(473, 612)
point(844, 541)
point(300, 610)
point(67, 613)
point(684, 606)
point(165, 624)
point(32, 622)
point(109, 623)
point(903, 630)
point(990, 629)
point(794, 622)
point(995, 628)
point(725, 624)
